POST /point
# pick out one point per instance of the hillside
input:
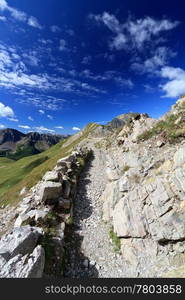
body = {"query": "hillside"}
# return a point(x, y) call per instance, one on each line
point(14, 175)
point(15, 144)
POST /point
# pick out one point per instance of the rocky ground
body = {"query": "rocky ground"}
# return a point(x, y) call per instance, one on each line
point(91, 253)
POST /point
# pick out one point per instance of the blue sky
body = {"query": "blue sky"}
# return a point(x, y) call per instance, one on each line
point(64, 63)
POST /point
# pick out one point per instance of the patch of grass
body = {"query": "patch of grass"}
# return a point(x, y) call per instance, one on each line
point(125, 168)
point(115, 240)
point(135, 178)
point(69, 221)
point(26, 172)
point(47, 243)
point(167, 127)
point(98, 145)
point(23, 151)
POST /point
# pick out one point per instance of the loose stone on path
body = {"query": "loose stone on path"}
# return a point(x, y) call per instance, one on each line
point(91, 254)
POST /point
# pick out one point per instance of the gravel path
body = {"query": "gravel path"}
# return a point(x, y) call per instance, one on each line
point(91, 253)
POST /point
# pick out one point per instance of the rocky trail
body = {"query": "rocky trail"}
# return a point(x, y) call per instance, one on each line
point(91, 253)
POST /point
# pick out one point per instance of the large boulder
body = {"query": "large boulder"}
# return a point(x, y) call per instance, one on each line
point(66, 187)
point(50, 191)
point(179, 157)
point(128, 218)
point(53, 176)
point(113, 192)
point(170, 227)
point(20, 240)
point(27, 266)
point(21, 219)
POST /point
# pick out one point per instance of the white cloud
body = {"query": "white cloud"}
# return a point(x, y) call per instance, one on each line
point(42, 128)
point(50, 117)
point(14, 79)
point(41, 111)
point(19, 15)
point(32, 21)
point(118, 42)
point(30, 118)
point(70, 32)
point(175, 86)
point(55, 28)
point(6, 111)
point(2, 18)
point(124, 82)
point(152, 64)
point(3, 5)
point(133, 33)
point(86, 60)
point(59, 127)
point(2, 126)
point(142, 30)
point(62, 46)
point(109, 20)
point(13, 119)
point(24, 126)
point(17, 78)
point(76, 128)
point(32, 58)
point(108, 76)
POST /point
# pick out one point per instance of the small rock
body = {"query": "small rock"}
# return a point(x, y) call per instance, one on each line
point(86, 263)
point(23, 191)
point(92, 263)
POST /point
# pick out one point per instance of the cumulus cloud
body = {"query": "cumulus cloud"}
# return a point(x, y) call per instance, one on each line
point(108, 76)
point(3, 5)
point(86, 60)
point(175, 86)
point(13, 119)
point(2, 18)
point(30, 118)
point(42, 128)
point(50, 117)
point(70, 32)
point(6, 111)
point(124, 82)
point(2, 126)
point(32, 21)
point(32, 58)
point(62, 46)
point(59, 127)
point(24, 126)
point(19, 15)
point(55, 28)
point(134, 32)
point(160, 57)
point(41, 111)
point(76, 128)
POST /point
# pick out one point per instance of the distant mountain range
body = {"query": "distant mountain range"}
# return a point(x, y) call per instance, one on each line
point(15, 144)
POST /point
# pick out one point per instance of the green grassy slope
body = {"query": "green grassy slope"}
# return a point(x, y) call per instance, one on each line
point(26, 172)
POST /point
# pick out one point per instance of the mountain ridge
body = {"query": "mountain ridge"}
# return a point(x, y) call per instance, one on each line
point(15, 144)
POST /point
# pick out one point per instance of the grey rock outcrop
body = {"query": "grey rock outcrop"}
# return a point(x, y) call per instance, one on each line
point(19, 241)
point(27, 266)
point(146, 206)
point(50, 191)
point(19, 254)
